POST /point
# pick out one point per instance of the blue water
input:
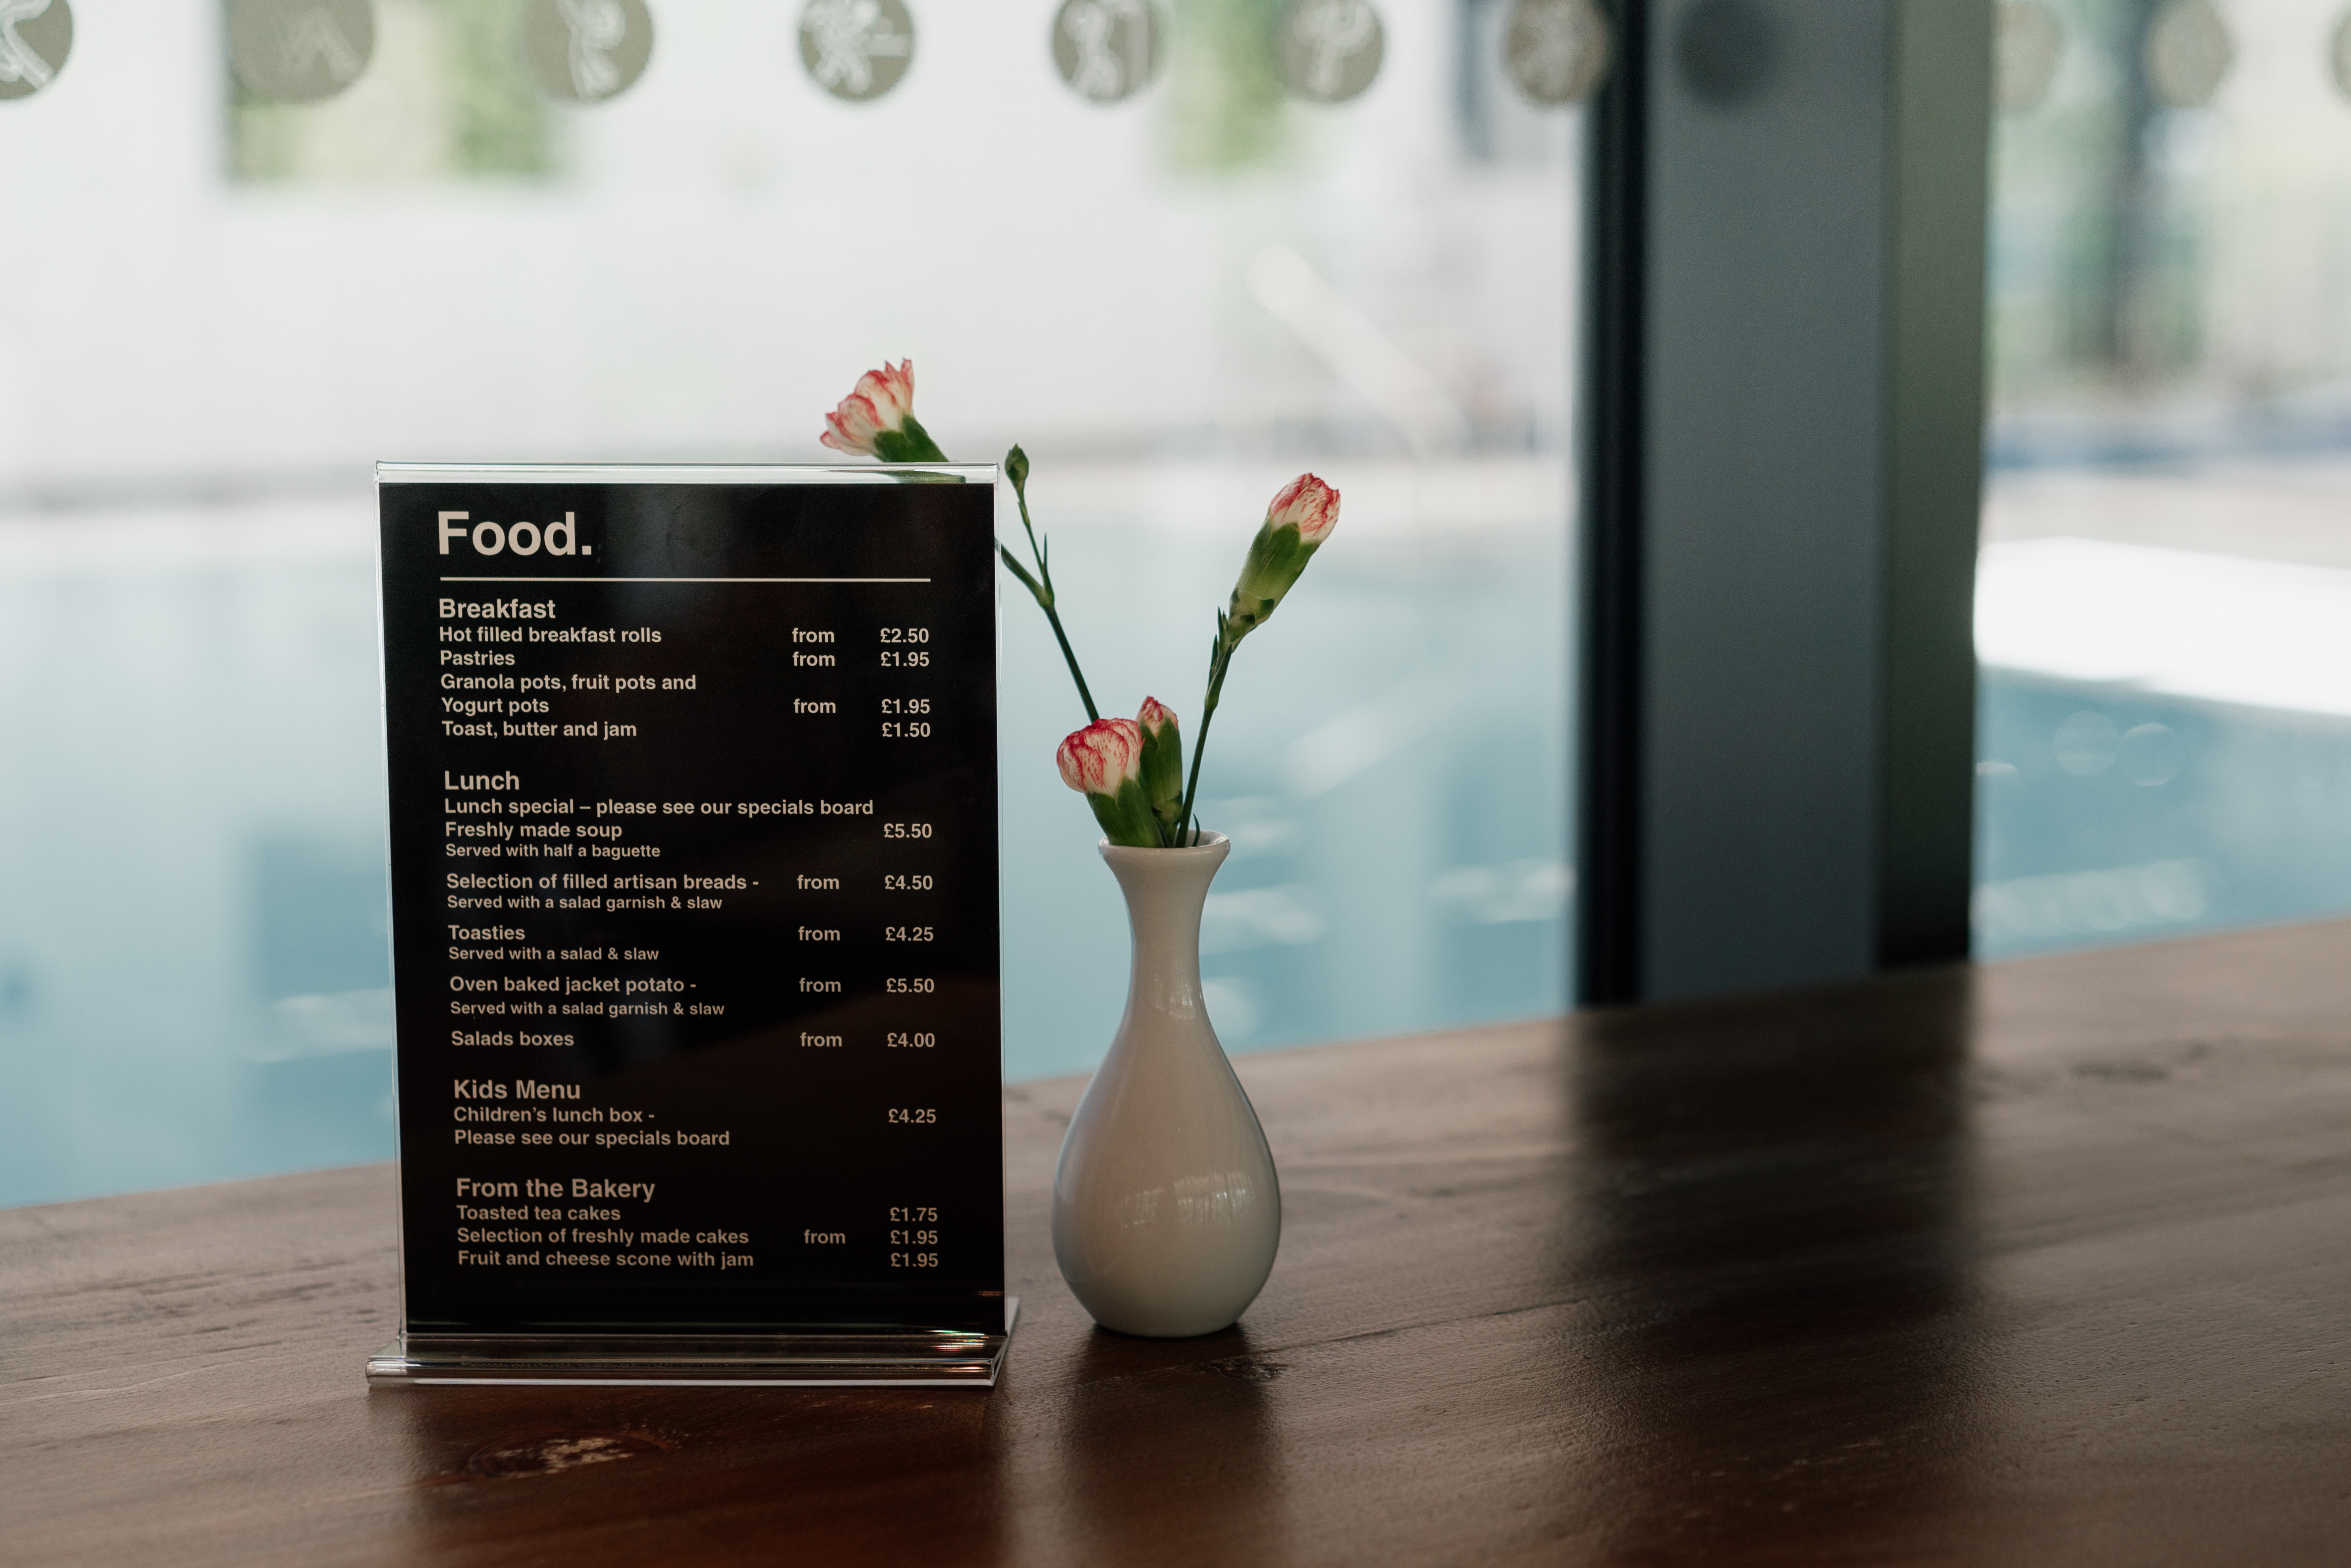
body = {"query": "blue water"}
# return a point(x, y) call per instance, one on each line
point(192, 898)
point(192, 964)
point(2106, 814)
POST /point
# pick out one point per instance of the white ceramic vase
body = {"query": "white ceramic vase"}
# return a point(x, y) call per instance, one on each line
point(1167, 1211)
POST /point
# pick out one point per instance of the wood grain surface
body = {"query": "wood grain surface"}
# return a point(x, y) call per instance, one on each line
point(2048, 1262)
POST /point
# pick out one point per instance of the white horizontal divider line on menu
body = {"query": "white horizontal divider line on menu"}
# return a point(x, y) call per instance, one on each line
point(685, 580)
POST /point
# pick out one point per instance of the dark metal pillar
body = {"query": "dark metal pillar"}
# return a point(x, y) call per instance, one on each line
point(1783, 447)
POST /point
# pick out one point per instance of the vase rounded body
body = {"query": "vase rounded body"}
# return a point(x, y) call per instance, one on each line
point(1166, 1212)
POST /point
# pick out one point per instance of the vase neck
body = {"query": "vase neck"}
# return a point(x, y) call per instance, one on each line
point(1165, 891)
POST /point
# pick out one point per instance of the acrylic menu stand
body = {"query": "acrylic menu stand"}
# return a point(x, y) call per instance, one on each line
point(694, 924)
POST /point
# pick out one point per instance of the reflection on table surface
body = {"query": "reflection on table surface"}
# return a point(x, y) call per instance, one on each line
point(2035, 1262)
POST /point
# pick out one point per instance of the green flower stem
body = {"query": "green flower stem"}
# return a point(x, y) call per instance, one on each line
point(1220, 659)
point(910, 442)
point(1041, 587)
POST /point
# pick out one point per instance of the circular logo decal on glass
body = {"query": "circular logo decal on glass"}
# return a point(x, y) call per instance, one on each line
point(2027, 43)
point(856, 49)
point(1328, 51)
point(1107, 49)
point(585, 51)
point(1556, 50)
point(2189, 53)
point(36, 36)
point(299, 51)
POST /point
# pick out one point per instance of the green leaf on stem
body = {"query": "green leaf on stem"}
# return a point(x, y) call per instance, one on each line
point(1037, 590)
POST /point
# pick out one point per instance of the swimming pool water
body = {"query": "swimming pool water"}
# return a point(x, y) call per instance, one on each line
point(193, 968)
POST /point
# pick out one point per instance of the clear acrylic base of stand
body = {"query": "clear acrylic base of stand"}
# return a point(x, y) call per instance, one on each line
point(910, 1359)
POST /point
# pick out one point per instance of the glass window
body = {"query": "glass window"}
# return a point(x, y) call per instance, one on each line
point(224, 306)
point(2164, 598)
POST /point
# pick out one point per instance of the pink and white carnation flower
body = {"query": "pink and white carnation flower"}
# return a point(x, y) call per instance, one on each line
point(1307, 505)
point(1104, 755)
point(1302, 515)
point(1131, 772)
point(1104, 762)
point(877, 419)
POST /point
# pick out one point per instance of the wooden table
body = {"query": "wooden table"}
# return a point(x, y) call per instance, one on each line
point(2048, 1262)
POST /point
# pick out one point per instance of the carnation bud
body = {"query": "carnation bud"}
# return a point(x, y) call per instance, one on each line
point(1162, 766)
point(877, 419)
point(1301, 517)
point(1104, 761)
